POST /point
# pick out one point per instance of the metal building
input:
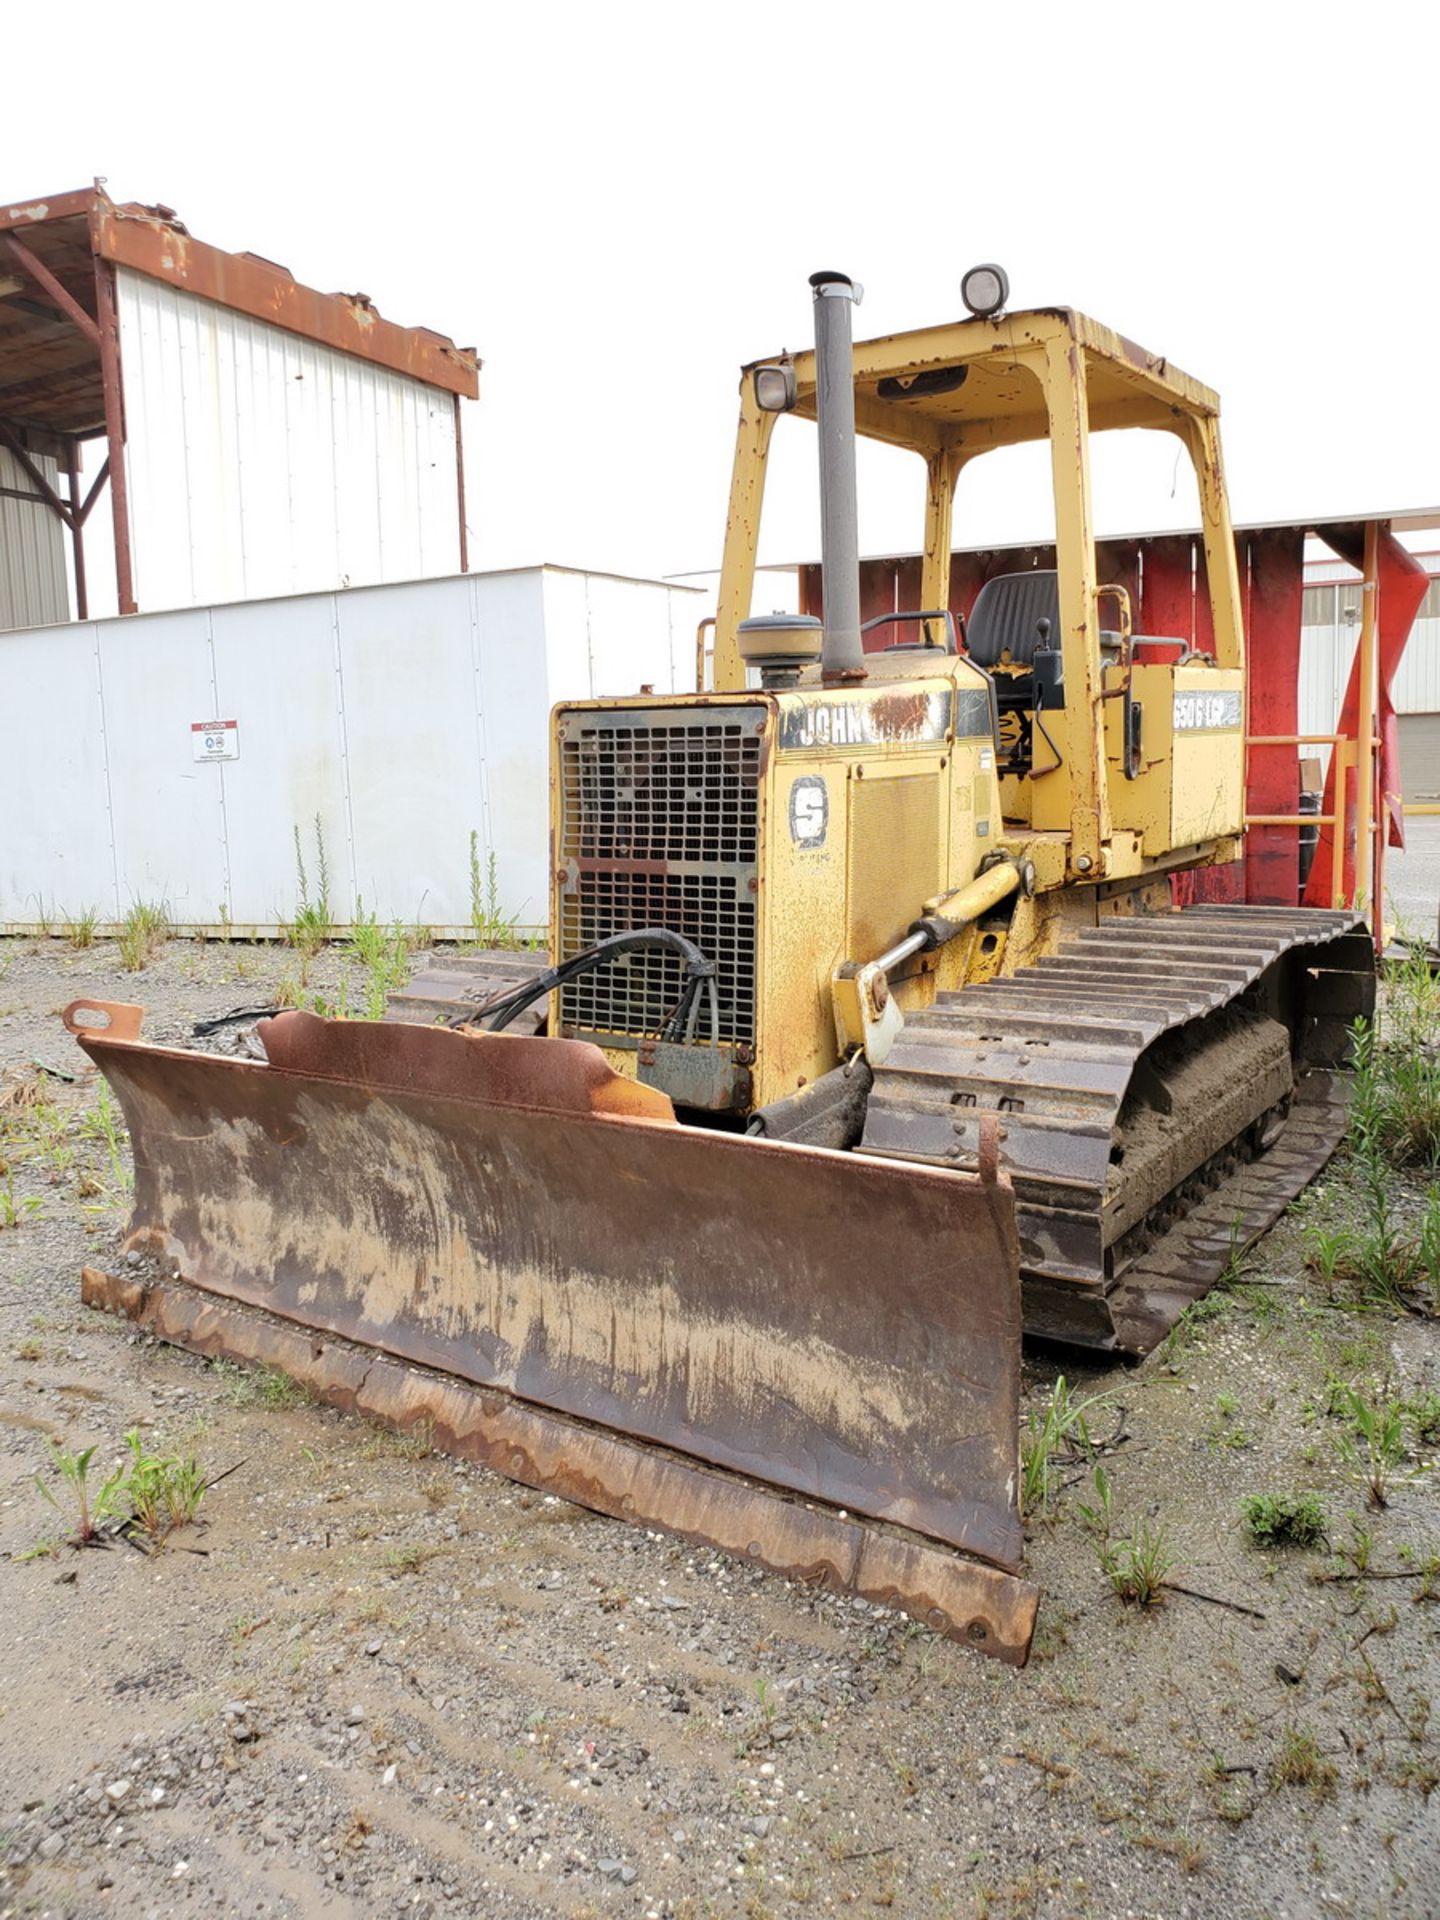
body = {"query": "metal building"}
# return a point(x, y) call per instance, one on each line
point(258, 437)
point(1330, 622)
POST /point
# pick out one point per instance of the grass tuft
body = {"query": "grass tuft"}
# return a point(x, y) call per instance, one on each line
point(1300, 1763)
point(80, 931)
point(1136, 1567)
point(146, 928)
point(1054, 1434)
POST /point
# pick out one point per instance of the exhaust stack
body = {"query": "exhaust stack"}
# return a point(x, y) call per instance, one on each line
point(842, 656)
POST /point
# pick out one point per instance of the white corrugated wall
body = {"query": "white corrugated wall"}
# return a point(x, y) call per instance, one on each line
point(260, 463)
point(1327, 649)
point(34, 584)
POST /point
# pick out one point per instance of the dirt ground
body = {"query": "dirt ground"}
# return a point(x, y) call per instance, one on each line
point(375, 1682)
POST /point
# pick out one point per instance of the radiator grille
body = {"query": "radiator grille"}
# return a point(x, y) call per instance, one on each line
point(659, 818)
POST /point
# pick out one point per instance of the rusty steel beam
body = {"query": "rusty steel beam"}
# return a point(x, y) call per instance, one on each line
point(110, 378)
point(643, 1485)
point(77, 529)
point(139, 238)
point(95, 485)
point(69, 306)
point(59, 206)
point(46, 492)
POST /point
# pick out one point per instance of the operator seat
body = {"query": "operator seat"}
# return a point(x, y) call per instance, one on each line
point(1007, 614)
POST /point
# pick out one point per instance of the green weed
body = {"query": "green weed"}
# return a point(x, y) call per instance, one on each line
point(16, 1208)
point(1136, 1567)
point(1329, 1252)
point(1284, 1519)
point(1422, 1410)
point(1057, 1432)
point(163, 1491)
point(105, 1125)
point(145, 929)
point(385, 956)
point(1398, 1080)
point(73, 1469)
point(1373, 1446)
point(314, 923)
point(1359, 1550)
point(1225, 1430)
point(257, 1386)
point(1097, 1519)
point(489, 927)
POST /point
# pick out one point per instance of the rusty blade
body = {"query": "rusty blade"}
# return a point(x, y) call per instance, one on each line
point(510, 1212)
point(984, 1609)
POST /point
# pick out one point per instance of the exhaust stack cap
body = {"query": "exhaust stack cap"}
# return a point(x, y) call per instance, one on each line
point(836, 286)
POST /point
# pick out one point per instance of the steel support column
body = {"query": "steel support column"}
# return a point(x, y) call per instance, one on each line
point(110, 380)
point(77, 527)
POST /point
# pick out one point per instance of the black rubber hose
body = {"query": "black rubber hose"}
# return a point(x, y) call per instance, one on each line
point(501, 1008)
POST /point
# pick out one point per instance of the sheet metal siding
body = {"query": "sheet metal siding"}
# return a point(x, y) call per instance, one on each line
point(34, 581)
point(262, 463)
point(392, 722)
point(1327, 648)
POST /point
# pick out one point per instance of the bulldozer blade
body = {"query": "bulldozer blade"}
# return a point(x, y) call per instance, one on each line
point(693, 1329)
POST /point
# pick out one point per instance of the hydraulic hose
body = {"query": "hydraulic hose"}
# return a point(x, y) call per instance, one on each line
point(500, 1009)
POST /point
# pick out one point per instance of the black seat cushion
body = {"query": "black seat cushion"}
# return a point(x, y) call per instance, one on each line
point(1007, 614)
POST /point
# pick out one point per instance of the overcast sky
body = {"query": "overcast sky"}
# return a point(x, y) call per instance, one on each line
point(619, 204)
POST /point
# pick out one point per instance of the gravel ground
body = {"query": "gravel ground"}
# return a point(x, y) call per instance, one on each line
point(376, 1682)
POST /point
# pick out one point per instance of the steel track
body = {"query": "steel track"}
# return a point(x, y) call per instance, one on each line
point(1052, 1052)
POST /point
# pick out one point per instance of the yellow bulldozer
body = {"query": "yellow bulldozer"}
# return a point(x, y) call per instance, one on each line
point(868, 1037)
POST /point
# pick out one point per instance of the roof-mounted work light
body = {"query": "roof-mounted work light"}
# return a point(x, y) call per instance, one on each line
point(775, 388)
point(985, 290)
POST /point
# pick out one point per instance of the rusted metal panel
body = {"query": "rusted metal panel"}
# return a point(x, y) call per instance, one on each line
point(985, 1609)
point(1276, 576)
point(512, 1212)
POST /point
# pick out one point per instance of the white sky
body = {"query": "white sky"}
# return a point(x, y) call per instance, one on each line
point(619, 204)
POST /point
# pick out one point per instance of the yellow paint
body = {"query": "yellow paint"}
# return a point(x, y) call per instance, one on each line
point(909, 817)
point(1053, 375)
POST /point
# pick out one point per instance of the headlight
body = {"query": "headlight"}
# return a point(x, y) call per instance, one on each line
point(775, 388)
point(985, 289)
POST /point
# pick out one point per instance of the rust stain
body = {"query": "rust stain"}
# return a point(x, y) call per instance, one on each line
point(900, 716)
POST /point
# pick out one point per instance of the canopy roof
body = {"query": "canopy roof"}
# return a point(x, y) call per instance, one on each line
point(973, 383)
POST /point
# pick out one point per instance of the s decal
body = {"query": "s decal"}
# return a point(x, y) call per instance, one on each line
point(809, 811)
